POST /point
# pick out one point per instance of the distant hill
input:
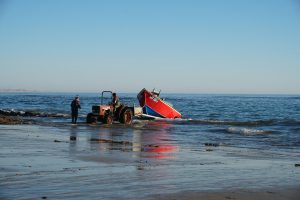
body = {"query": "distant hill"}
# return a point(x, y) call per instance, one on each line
point(16, 90)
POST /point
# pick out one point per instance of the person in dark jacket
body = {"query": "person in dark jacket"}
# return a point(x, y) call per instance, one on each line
point(75, 105)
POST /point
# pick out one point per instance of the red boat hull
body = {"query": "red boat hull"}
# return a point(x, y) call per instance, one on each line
point(155, 106)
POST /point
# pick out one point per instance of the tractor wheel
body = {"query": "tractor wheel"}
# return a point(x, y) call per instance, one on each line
point(126, 116)
point(108, 119)
point(90, 118)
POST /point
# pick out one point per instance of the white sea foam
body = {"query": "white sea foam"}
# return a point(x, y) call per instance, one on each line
point(246, 131)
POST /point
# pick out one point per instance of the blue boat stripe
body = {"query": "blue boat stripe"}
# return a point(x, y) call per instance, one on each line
point(147, 110)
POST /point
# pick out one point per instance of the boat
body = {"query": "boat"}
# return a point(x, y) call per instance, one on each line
point(156, 107)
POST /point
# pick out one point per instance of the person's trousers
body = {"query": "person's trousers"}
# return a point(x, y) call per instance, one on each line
point(74, 116)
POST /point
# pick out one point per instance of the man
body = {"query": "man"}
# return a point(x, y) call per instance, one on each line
point(115, 101)
point(75, 105)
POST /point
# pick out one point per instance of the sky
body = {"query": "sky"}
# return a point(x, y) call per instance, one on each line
point(178, 46)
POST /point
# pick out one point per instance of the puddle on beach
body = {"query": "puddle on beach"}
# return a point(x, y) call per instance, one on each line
point(126, 162)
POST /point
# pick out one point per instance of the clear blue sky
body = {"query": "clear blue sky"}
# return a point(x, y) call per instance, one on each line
point(192, 46)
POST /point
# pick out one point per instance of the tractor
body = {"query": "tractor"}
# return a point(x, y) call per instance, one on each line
point(107, 114)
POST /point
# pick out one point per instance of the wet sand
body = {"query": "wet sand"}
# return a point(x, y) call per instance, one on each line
point(274, 194)
point(63, 161)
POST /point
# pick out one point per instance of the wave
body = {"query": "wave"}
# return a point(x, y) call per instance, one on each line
point(224, 122)
point(267, 122)
point(247, 131)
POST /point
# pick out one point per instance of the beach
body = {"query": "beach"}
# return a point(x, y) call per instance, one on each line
point(142, 161)
point(275, 194)
point(149, 100)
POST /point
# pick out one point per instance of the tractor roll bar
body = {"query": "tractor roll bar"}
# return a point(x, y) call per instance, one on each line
point(105, 91)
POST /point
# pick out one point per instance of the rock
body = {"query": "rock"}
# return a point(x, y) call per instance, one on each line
point(110, 141)
point(31, 114)
point(140, 167)
point(4, 119)
point(73, 138)
point(11, 112)
point(297, 165)
point(211, 144)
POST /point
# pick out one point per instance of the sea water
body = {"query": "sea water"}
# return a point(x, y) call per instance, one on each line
point(222, 141)
point(249, 121)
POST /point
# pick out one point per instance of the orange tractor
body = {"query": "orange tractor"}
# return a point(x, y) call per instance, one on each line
point(107, 113)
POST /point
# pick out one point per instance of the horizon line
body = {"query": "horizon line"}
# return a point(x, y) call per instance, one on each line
point(24, 91)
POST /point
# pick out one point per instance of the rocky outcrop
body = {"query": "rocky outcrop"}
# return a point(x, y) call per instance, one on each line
point(10, 120)
point(30, 113)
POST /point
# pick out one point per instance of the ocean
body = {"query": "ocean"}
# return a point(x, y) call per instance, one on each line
point(248, 121)
point(222, 141)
